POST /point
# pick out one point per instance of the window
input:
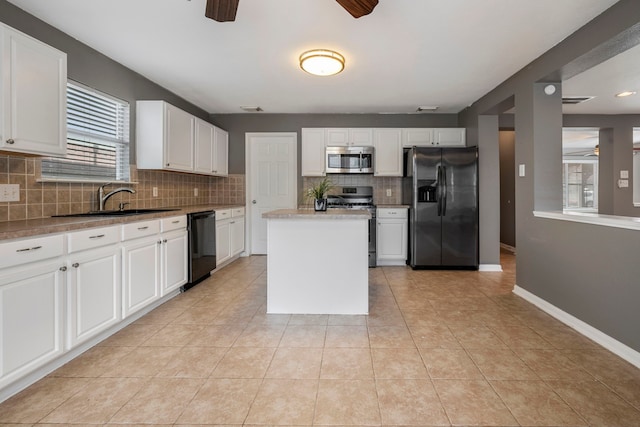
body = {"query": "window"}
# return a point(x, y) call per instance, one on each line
point(580, 185)
point(580, 169)
point(97, 139)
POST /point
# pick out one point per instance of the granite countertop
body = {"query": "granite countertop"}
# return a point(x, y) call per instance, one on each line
point(41, 226)
point(312, 214)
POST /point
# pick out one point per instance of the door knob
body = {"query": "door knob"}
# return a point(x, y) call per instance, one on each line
point(10, 141)
point(253, 201)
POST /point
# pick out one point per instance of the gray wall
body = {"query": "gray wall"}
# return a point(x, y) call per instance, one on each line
point(591, 272)
point(93, 69)
point(239, 124)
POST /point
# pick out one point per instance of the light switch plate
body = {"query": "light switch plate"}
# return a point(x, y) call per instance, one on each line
point(521, 170)
point(9, 192)
point(623, 183)
point(624, 174)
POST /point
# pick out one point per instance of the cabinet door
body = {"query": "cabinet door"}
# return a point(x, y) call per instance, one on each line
point(388, 154)
point(454, 137)
point(141, 278)
point(221, 152)
point(359, 137)
point(31, 303)
point(203, 146)
point(93, 293)
point(419, 137)
point(313, 152)
point(33, 95)
point(174, 260)
point(392, 239)
point(223, 241)
point(179, 144)
point(237, 235)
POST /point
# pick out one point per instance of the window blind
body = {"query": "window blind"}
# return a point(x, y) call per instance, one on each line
point(97, 139)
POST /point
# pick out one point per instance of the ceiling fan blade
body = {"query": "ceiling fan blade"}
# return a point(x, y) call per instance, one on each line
point(222, 10)
point(358, 8)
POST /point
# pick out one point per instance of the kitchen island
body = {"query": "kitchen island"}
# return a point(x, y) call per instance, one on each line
point(317, 261)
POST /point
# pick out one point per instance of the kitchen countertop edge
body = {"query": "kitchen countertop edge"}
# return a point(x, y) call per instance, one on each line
point(51, 225)
point(312, 214)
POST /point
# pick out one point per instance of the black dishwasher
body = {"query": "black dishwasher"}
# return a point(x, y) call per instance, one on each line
point(201, 228)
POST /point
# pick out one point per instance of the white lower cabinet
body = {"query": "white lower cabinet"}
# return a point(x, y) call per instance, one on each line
point(174, 252)
point(229, 233)
point(392, 234)
point(93, 283)
point(141, 265)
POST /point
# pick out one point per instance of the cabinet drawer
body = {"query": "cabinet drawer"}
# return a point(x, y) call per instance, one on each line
point(392, 213)
point(31, 250)
point(174, 223)
point(140, 229)
point(223, 214)
point(235, 212)
point(93, 238)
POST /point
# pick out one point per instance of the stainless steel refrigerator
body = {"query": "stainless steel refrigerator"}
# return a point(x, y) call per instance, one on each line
point(441, 187)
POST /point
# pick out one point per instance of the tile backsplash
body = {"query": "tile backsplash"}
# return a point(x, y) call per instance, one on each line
point(380, 186)
point(43, 199)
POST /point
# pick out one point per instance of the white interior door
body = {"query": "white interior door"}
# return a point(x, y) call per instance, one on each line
point(271, 173)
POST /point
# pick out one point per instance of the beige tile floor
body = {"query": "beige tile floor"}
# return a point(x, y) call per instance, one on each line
point(438, 348)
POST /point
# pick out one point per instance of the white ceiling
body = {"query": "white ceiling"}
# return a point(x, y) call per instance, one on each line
point(407, 53)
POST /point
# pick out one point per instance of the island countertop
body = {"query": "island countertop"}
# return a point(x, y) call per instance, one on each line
point(312, 214)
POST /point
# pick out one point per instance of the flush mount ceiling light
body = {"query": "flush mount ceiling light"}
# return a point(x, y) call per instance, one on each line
point(625, 93)
point(322, 62)
point(426, 108)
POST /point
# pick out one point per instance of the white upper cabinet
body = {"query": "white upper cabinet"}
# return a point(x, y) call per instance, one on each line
point(433, 137)
point(419, 137)
point(179, 139)
point(388, 154)
point(357, 137)
point(452, 137)
point(220, 152)
point(33, 95)
point(172, 139)
point(203, 162)
point(313, 152)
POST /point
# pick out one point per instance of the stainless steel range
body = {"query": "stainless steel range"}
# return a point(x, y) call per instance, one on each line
point(360, 197)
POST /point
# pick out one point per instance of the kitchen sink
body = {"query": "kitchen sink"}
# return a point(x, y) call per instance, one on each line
point(123, 212)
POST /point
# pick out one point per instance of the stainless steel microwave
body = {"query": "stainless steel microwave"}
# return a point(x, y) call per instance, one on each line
point(349, 159)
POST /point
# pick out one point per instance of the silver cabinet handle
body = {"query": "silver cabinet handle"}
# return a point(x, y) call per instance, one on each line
point(98, 236)
point(143, 228)
point(29, 249)
point(75, 265)
point(159, 242)
point(253, 201)
point(164, 241)
point(232, 222)
point(175, 222)
point(10, 141)
point(63, 268)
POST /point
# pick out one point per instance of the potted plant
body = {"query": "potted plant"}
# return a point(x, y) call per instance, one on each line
point(318, 192)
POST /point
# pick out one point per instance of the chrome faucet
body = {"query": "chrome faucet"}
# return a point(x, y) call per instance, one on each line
point(102, 198)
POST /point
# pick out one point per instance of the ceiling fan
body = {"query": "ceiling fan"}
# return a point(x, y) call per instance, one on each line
point(225, 10)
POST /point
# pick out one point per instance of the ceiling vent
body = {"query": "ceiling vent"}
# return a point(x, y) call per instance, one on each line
point(252, 109)
point(573, 100)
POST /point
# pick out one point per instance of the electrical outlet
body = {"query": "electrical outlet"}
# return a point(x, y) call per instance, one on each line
point(9, 192)
point(389, 192)
point(195, 192)
point(155, 191)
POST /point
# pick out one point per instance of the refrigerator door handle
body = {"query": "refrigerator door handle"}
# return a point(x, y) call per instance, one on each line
point(439, 189)
point(444, 191)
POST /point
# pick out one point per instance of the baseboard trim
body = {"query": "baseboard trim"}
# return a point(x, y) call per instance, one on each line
point(611, 344)
point(489, 267)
